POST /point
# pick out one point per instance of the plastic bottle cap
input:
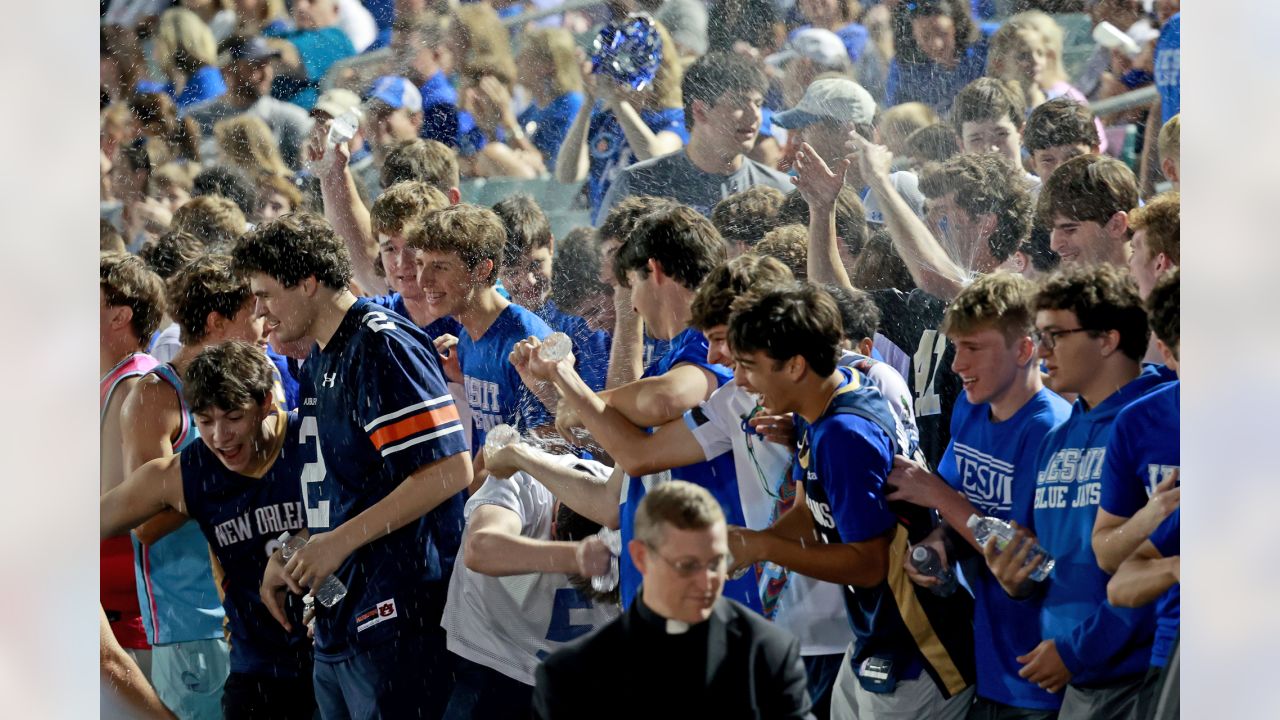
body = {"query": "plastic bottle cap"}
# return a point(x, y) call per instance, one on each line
point(919, 553)
point(973, 521)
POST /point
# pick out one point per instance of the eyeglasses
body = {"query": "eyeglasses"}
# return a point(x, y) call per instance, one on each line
point(1048, 339)
point(688, 567)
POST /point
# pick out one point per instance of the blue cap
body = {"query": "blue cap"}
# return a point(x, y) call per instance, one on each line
point(396, 92)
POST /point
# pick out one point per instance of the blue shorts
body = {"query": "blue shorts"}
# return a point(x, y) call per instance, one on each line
point(409, 677)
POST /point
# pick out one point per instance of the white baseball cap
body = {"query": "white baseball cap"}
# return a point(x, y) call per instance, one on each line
point(838, 99)
point(821, 46)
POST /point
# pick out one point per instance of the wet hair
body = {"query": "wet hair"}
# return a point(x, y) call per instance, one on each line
point(126, 281)
point(205, 285)
point(784, 321)
point(714, 299)
point(215, 220)
point(292, 248)
point(1088, 188)
point(679, 238)
point(622, 218)
point(228, 376)
point(880, 267)
point(745, 216)
point(526, 225)
point(575, 272)
point(171, 252)
point(935, 143)
point(851, 217)
point(228, 183)
point(717, 74)
point(1057, 122)
point(986, 183)
point(246, 142)
point(569, 526)
point(1000, 300)
point(426, 160)
point(790, 244)
point(404, 204)
point(1103, 297)
point(1163, 307)
point(474, 233)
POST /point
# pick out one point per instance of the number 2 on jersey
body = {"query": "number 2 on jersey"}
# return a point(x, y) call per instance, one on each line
point(313, 474)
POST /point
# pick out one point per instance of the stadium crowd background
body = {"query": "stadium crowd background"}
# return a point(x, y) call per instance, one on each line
point(215, 118)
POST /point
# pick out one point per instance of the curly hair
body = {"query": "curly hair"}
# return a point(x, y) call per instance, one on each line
point(228, 376)
point(1161, 218)
point(790, 244)
point(680, 238)
point(745, 216)
point(1103, 297)
point(1163, 305)
point(214, 220)
point(986, 183)
point(1060, 121)
point(126, 281)
point(622, 218)
point(171, 252)
point(475, 233)
point(292, 248)
point(1001, 301)
point(730, 281)
point(859, 314)
point(1088, 188)
point(205, 285)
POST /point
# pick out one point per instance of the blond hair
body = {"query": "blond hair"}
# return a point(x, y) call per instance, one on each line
point(555, 48)
point(183, 42)
point(246, 141)
point(1006, 40)
point(1169, 145)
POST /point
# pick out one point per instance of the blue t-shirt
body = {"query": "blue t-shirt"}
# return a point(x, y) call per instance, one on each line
point(374, 410)
point(1168, 68)
point(590, 347)
point(718, 475)
point(610, 153)
point(1166, 540)
point(989, 462)
point(1099, 643)
point(933, 84)
point(242, 517)
point(443, 121)
point(1143, 452)
point(440, 326)
point(495, 391)
point(318, 50)
point(204, 85)
point(553, 124)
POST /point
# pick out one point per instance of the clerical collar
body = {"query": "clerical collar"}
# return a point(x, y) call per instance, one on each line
point(666, 625)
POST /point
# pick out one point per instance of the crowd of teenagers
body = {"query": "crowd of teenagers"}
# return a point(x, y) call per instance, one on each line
point(868, 404)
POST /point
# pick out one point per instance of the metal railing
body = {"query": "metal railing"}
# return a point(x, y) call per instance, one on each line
point(1142, 97)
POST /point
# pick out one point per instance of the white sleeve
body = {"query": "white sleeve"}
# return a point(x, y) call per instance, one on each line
point(707, 423)
point(357, 24)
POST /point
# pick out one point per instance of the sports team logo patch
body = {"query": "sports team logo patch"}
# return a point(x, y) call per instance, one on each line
point(381, 612)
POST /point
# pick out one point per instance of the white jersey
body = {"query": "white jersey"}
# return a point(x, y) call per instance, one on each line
point(510, 623)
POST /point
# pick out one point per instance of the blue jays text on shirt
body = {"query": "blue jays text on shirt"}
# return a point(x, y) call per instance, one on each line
point(1067, 467)
point(987, 480)
point(269, 520)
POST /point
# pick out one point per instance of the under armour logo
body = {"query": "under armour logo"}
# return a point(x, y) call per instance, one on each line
point(329, 379)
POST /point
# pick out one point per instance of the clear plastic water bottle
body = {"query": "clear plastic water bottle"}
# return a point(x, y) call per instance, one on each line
point(331, 589)
point(986, 527)
point(926, 561)
point(344, 127)
point(555, 348)
point(499, 437)
point(740, 572)
point(612, 539)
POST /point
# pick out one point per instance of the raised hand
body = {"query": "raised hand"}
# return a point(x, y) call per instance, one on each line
point(818, 184)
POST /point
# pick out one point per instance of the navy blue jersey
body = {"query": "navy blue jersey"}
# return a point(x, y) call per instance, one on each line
point(590, 347)
point(844, 460)
point(440, 326)
point(495, 391)
point(375, 409)
point(242, 518)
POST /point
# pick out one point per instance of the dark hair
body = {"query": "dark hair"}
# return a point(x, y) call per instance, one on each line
point(178, 137)
point(575, 272)
point(880, 267)
point(851, 217)
point(1088, 188)
point(475, 233)
point(171, 252)
point(228, 183)
point(571, 527)
point(859, 314)
point(967, 31)
point(1060, 121)
point(527, 227)
point(935, 143)
point(292, 248)
point(790, 244)
point(730, 281)
point(788, 320)
point(986, 183)
point(426, 160)
point(987, 99)
point(679, 238)
point(745, 216)
point(1103, 297)
point(228, 376)
point(622, 218)
point(127, 281)
point(206, 285)
point(1163, 305)
point(717, 74)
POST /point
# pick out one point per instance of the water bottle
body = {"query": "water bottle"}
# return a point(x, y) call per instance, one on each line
point(612, 539)
point(499, 437)
point(740, 572)
point(986, 527)
point(331, 589)
point(555, 348)
point(344, 127)
point(926, 561)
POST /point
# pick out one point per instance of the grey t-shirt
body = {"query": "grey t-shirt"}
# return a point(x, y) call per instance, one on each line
point(675, 176)
point(289, 123)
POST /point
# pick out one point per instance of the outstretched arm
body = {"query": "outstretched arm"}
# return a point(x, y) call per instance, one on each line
point(819, 185)
point(588, 496)
point(343, 207)
point(155, 487)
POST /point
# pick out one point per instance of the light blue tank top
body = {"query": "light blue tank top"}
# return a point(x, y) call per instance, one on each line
point(176, 591)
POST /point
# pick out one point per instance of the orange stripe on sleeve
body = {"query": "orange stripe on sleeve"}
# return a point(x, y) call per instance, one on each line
point(414, 424)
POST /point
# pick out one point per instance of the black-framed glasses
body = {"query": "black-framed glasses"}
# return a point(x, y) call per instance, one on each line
point(688, 567)
point(1048, 339)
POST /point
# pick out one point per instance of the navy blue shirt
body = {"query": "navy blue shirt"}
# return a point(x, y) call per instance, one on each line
point(375, 409)
point(242, 518)
point(440, 326)
point(933, 84)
